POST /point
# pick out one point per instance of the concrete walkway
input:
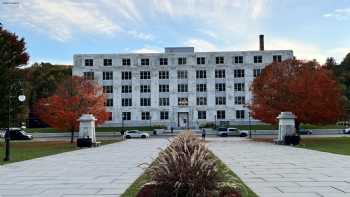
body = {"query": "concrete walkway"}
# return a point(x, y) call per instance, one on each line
point(281, 171)
point(103, 171)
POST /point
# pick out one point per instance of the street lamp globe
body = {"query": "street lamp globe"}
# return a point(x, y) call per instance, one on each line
point(21, 98)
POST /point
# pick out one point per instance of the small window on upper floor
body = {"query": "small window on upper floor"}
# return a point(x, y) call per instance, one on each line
point(144, 61)
point(181, 61)
point(277, 58)
point(89, 62)
point(126, 62)
point(107, 62)
point(182, 74)
point(258, 59)
point(200, 60)
point(163, 61)
point(219, 60)
point(238, 60)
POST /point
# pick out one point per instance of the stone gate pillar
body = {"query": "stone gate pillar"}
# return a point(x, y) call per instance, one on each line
point(286, 126)
point(87, 127)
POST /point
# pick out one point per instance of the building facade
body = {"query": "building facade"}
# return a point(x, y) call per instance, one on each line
point(177, 88)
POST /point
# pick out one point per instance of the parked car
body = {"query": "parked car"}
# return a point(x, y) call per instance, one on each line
point(16, 134)
point(135, 134)
point(303, 131)
point(346, 130)
point(224, 132)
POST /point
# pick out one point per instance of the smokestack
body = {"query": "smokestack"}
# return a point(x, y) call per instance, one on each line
point(261, 42)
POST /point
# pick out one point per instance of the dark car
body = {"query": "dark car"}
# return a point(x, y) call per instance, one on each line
point(17, 134)
point(303, 131)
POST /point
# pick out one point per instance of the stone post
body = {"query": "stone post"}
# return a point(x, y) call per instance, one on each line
point(87, 127)
point(286, 126)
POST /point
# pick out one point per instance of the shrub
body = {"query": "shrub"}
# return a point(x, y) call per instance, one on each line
point(185, 168)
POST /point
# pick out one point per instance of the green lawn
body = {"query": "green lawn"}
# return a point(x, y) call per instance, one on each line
point(98, 129)
point(24, 150)
point(338, 145)
point(224, 170)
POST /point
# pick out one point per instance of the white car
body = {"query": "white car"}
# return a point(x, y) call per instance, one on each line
point(224, 132)
point(346, 131)
point(135, 134)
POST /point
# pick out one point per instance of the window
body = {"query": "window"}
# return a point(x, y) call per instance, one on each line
point(163, 74)
point(182, 101)
point(164, 115)
point(182, 74)
point(202, 115)
point(126, 62)
point(239, 87)
point(107, 62)
point(107, 89)
point(126, 102)
point(126, 75)
point(182, 88)
point(107, 75)
point(164, 88)
point(144, 61)
point(109, 102)
point(220, 100)
point(220, 87)
point(201, 74)
point(239, 100)
point(126, 89)
point(145, 115)
point(126, 115)
point(145, 88)
point(257, 72)
point(258, 59)
point(200, 60)
point(89, 62)
point(145, 75)
point(238, 73)
point(89, 75)
point(145, 101)
point(201, 100)
point(219, 60)
point(163, 101)
point(219, 73)
point(163, 61)
point(277, 58)
point(110, 116)
point(220, 114)
point(201, 87)
point(239, 114)
point(238, 59)
point(181, 61)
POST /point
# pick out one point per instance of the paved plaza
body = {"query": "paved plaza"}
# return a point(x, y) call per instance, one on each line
point(282, 171)
point(104, 171)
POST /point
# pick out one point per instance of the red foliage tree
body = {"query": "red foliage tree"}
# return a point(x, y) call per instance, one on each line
point(304, 88)
point(73, 97)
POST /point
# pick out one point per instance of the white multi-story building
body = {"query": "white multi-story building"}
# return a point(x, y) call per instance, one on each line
point(177, 88)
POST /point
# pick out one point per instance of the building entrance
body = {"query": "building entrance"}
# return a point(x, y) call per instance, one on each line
point(182, 119)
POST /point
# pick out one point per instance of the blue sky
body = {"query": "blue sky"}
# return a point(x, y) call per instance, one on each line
point(56, 29)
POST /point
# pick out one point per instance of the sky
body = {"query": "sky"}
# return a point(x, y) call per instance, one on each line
point(55, 30)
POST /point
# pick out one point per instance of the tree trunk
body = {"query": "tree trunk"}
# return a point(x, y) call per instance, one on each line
point(72, 136)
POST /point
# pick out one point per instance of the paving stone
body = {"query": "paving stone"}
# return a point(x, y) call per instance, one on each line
point(266, 167)
point(104, 171)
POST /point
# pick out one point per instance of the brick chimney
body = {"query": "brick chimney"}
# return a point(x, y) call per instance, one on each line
point(261, 42)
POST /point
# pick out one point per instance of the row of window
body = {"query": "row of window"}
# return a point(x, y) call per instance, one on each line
point(182, 101)
point(181, 74)
point(164, 115)
point(219, 87)
point(183, 60)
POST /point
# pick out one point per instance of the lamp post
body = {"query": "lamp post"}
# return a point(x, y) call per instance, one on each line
point(21, 98)
point(215, 121)
point(150, 122)
point(249, 120)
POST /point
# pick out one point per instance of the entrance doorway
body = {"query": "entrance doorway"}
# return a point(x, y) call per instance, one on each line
point(182, 119)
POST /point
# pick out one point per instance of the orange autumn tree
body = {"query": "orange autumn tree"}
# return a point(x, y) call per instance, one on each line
point(72, 98)
point(304, 88)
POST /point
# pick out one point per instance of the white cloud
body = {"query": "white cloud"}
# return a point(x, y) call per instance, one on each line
point(148, 50)
point(339, 14)
point(201, 45)
point(141, 35)
point(307, 51)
